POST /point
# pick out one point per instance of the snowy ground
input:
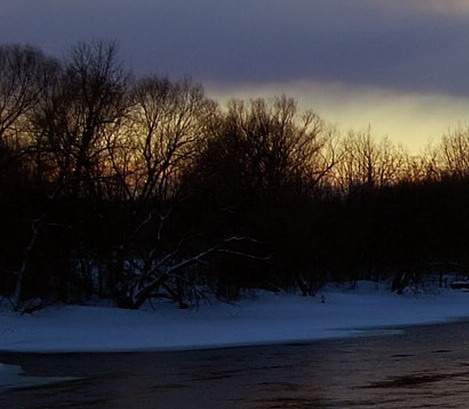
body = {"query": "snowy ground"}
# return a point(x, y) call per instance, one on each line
point(265, 318)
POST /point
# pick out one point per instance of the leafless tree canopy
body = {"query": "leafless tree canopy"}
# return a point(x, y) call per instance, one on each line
point(142, 188)
point(24, 74)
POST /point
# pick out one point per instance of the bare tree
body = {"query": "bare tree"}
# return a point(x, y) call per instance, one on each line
point(68, 125)
point(261, 147)
point(257, 174)
point(86, 105)
point(159, 140)
point(451, 155)
point(367, 163)
point(24, 73)
point(167, 123)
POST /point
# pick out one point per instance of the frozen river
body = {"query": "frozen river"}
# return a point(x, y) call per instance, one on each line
point(419, 367)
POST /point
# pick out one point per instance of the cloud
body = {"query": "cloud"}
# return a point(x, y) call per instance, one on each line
point(413, 45)
point(343, 52)
point(400, 44)
point(451, 7)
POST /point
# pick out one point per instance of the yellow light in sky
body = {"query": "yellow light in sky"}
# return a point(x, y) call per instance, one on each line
point(408, 118)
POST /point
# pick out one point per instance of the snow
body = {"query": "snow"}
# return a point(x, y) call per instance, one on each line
point(262, 318)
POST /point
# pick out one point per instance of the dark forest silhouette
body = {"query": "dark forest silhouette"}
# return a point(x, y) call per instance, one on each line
point(136, 188)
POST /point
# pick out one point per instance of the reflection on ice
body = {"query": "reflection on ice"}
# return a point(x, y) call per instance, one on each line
point(12, 376)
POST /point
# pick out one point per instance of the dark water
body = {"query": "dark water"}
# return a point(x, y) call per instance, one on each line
point(424, 367)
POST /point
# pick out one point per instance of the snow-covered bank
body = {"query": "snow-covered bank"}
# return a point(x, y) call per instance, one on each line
point(266, 318)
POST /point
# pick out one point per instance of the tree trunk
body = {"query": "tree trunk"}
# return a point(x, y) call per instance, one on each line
point(37, 226)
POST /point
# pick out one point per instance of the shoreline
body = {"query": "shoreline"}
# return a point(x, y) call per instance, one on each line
point(266, 319)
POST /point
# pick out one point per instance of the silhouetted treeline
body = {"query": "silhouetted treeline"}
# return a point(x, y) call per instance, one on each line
point(132, 189)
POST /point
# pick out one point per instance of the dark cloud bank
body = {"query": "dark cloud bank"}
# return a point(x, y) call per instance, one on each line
point(359, 42)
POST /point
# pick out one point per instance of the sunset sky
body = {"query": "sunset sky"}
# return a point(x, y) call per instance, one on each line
point(400, 66)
